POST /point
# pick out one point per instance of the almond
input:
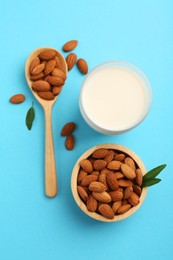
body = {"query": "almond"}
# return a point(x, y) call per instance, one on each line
point(83, 66)
point(56, 90)
point(127, 192)
point(41, 85)
point(71, 60)
point(59, 73)
point(134, 199)
point(137, 189)
point(114, 165)
point(88, 179)
point(102, 179)
point(128, 172)
point(83, 194)
point(124, 183)
point(129, 161)
point(47, 95)
point(91, 159)
point(99, 165)
point(116, 195)
point(112, 181)
point(116, 205)
point(123, 209)
point(47, 54)
point(81, 174)
point(17, 99)
point(109, 157)
point(102, 196)
point(139, 177)
point(119, 157)
point(86, 165)
point(38, 69)
point(69, 142)
point(58, 62)
point(70, 45)
point(95, 173)
point(37, 77)
point(34, 63)
point(68, 128)
point(49, 66)
point(54, 80)
point(100, 153)
point(118, 175)
point(91, 203)
point(97, 186)
point(106, 171)
point(106, 211)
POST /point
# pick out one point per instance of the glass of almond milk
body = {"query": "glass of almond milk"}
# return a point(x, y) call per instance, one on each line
point(115, 97)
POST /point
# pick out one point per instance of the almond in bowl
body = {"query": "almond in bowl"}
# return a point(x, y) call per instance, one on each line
point(106, 182)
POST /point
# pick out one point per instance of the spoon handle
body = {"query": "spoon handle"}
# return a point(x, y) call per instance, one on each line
point(50, 164)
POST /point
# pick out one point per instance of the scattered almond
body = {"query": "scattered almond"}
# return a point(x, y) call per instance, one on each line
point(83, 66)
point(71, 60)
point(68, 128)
point(17, 99)
point(70, 45)
point(69, 142)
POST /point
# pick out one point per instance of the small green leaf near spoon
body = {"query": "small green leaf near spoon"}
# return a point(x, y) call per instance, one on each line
point(30, 117)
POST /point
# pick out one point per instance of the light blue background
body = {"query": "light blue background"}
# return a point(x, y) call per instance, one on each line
point(38, 228)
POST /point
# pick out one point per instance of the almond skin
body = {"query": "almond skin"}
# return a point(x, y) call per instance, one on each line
point(112, 181)
point(97, 186)
point(128, 172)
point(41, 85)
point(38, 69)
point(71, 60)
point(127, 192)
point(129, 161)
point(123, 209)
point(83, 194)
point(81, 174)
point(37, 77)
point(69, 142)
point(91, 204)
point(59, 73)
point(114, 165)
point(124, 183)
point(137, 189)
point(102, 179)
point(54, 80)
point(95, 173)
point(58, 62)
point(118, 175)
point(47, 55)
point(34, 63)
point(100, 153)
point(110, 156)
point(83, 66)
point(116, 195)
point(119, 157)
point(106, 211)
point(102, 196)
point(17, 99)
point(47, 95)
point(86, 165)
point(56, 90)
point(116, 205)
point(70, 45)
point(99, 165)
point(139, 177)
point(88, 179)
point(134, 199)
point(50, 65)
point(68, 128)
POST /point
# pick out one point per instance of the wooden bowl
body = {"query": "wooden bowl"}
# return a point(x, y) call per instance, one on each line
point(75, 172)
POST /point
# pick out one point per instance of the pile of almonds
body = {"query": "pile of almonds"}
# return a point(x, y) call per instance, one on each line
point(47, 74)
point(109, 182)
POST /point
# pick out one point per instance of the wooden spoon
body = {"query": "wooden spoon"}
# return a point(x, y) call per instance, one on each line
point(51, 188)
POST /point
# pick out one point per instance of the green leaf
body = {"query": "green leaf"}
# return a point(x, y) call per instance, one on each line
point(154, 172)
point(150, 182)
point(30, 117)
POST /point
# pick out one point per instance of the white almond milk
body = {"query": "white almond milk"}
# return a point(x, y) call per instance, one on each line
point(114, 98)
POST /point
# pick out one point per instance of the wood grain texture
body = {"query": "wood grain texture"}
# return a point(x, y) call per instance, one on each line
point(75, 175)
point(51, 187)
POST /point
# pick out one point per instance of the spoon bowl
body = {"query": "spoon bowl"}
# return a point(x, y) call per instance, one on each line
point(51, 188)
